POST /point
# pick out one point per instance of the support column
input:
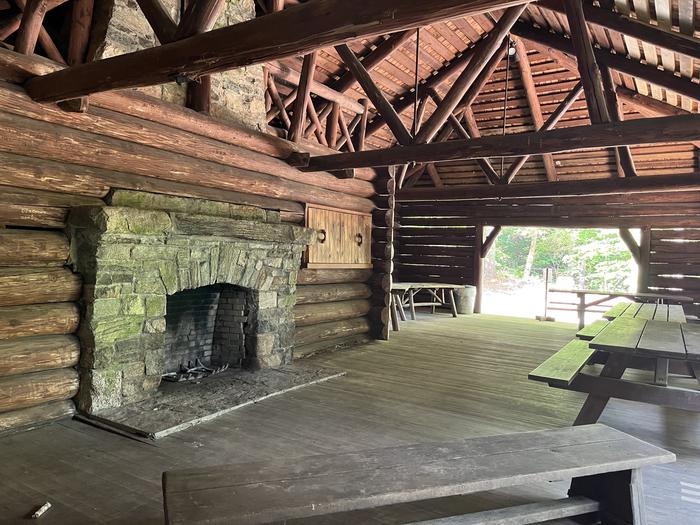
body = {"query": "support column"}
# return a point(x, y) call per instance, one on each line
point(478, 266)
point(644, 254)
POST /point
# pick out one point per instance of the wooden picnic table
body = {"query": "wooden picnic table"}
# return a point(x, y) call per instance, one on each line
point(403, 295)
point(634, 338)
point(604, 295)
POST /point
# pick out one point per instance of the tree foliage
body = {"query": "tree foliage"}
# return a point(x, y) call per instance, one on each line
point(593, 258)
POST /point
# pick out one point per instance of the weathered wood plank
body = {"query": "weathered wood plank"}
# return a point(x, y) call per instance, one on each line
point(662, 339)
point(592, 330)
point(286, 488)
point(565, 365)
point(616, 311)
point(646, 311)
point(691, 336)
point(621, 335)
point(27, 417)
point(522, 514)
point(676, 314)
point(632, 310)
point(661, 313)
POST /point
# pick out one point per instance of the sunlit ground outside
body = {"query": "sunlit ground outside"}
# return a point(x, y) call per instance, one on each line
point(514, 270)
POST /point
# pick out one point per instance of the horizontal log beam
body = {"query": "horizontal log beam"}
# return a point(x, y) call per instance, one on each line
point(30, 390)
point(657, 183)
point(684, 128)
point(23, 285)
point(18, 68)
point(311, 314)
point(305, 335)
point(33, 248)
point(327, 293)
point(278, 35)
point(33, 354)
point(44, 413)
point(333, 276)
point(38, 319)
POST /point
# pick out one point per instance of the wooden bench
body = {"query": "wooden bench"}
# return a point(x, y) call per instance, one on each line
point(604, 466)
point(562, 368)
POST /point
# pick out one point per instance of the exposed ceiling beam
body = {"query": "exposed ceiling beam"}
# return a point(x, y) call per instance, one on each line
point(623, 155)
point(552, 121)
point(483, 52)
point(374, 58)
point(671, 40)
point(31, 24)
point(619, 63)
point(159, 19)
point(684, 128)
point(294, 31)
point(654, 183)
point(533, 102)
point(296, 129)
point(374, 94)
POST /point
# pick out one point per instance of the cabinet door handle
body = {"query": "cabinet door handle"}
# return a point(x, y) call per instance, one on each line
point(359, 239)
point(321, 236)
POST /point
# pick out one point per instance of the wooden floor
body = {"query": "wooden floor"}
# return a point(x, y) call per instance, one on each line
point(438, 379)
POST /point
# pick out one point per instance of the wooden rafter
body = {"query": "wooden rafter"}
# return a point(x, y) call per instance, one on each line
point(552, 121)
point(684, 128)
point(43, 37)
point(277, 100)
point(81, 23)
point(484, 164)
point(483, 52)
point(296, 130)
point(554, 44)
point(671, 40)
point(533, 102)
point(32, 20)
point(624, 159)
point(271, 37)
point(374, 94)
point(159, 19)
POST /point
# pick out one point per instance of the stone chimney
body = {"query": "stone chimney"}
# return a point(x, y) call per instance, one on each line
point(238, 95)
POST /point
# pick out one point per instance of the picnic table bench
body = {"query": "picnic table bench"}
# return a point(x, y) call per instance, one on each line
point(582, 305)
point(639, 336)
point(604, 465)
point(403, 295)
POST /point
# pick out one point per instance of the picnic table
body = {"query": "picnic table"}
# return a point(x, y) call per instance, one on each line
point(603, 296)
point(634, 337)
point(403, 295)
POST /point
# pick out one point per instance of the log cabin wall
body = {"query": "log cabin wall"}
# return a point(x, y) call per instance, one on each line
point(39, 314)
point(431, 249)
point(674, 263)
point(51, 160)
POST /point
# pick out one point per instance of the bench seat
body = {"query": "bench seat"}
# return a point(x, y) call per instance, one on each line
point(562, 368)
point(288, 488)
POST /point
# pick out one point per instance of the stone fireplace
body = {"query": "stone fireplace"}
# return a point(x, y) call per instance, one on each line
point(170, 280)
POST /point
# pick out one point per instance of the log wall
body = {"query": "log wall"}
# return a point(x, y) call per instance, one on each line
point(674, 263)
point(51, 160)
point(38, 311)
point(331, 310)
point(431, 249)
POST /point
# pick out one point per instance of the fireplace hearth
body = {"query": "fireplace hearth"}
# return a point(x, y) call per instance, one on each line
point(173, 283)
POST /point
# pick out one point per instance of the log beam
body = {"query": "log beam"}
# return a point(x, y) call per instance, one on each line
point(556, 115)
point(278, 35)
point(30, 26)
point(490, 240)
point(650, 184)
point(159, 19)
point(671, 40)
point(554, 45)
point(296, 129)
point(483, 52)
point(81, 23)
point(684, 128)
point(631, 244)
point(374, 94)
point(534, 103)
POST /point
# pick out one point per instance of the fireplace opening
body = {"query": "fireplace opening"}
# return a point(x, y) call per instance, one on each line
point(205, 331)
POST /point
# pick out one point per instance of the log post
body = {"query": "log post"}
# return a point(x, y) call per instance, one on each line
point(332, 126)
point(384, 224)
point(362, 131)
point(32, 20)
point(298, 124)
point(644, 257)
point(478, 266)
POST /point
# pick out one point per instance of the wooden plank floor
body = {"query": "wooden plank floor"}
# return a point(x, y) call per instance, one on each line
point(438, 379)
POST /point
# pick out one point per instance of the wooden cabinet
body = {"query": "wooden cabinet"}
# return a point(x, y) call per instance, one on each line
point(344, 238)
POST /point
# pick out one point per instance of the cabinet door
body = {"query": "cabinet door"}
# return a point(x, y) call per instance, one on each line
point(344, 238)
